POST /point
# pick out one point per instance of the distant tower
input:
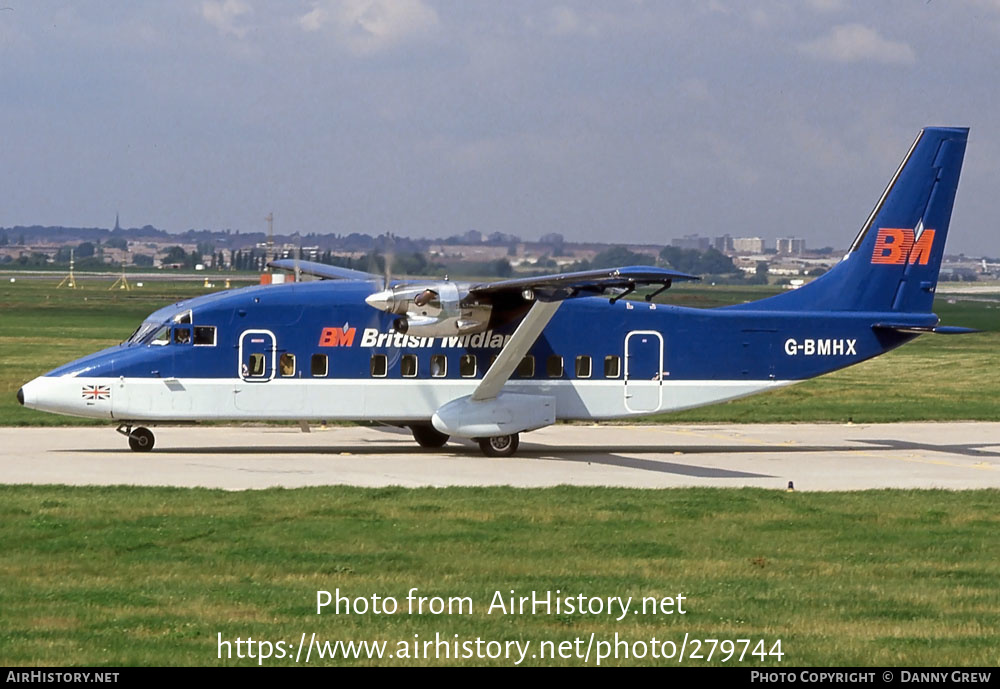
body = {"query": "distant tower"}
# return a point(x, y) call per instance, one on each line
point(270, 242)
point(117, 226)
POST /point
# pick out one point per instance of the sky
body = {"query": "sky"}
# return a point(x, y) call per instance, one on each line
point(618, 121)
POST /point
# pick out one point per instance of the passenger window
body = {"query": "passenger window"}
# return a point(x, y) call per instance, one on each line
point(379, 365)
point(493, 360)
point(467, 366)
point(612, 367)
point(408, 366)
point(182, 335)
point(526, 369)
point(204, 336)
point(554, 366)
point(318, 365)
point(256, 365)
point(287, 364)
point(439, 366)
point(583, 367)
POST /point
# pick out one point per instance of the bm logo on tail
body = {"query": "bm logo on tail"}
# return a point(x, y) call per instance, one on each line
point(897, 246)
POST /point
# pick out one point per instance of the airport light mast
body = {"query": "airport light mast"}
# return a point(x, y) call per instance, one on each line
point(69, 280)
point(270, 242)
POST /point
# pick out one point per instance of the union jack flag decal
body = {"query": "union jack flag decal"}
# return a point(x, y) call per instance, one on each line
point(96, 392)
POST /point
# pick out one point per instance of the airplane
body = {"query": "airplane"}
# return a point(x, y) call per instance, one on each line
point(489, 361)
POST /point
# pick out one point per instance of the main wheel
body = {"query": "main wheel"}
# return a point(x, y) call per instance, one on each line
point(141, 439)
point(499, 445)
point(428, 436)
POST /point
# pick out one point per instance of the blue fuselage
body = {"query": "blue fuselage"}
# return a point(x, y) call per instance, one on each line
point(312, 344)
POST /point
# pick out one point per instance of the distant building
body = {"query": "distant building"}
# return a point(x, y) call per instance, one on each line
point(791, 246)
point(723, 244)
point(691, 241)
point(502, 238)
point(748, 245)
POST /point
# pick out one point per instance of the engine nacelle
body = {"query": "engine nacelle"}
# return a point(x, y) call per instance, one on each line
point(439, 309)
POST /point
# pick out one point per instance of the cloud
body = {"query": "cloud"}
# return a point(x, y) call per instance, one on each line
point(223, 15)
point(370, 26)
point(826, 5)
point(858, 43)
point(695, 89)
point(565, 22)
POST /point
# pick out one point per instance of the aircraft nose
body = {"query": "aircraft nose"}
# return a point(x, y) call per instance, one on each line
point(20, 396)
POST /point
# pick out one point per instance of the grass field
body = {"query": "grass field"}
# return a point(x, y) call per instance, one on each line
point(151, 576)
point(122, 576)
point(933, 378)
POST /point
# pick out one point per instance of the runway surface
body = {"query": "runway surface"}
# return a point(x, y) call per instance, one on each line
point(813, 456)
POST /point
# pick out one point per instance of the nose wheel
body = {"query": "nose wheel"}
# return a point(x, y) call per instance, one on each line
point(140, 439)
point(499, 445)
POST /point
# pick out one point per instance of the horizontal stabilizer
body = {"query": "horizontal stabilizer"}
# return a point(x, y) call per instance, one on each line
point(921, 329)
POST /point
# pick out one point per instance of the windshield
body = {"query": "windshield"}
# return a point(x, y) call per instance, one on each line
point(143, 332)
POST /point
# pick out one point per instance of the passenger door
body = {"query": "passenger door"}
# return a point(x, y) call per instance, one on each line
point(643, 370)
point(257, 356)
point(257, 363)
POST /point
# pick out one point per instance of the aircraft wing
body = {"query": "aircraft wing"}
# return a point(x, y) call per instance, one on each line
point(432, 308)
point(322, 270)
point(566, 285)
point(549, 291)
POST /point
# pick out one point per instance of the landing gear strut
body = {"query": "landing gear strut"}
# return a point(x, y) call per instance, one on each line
point(428, 436)
point(140, 439)
point(499, 445)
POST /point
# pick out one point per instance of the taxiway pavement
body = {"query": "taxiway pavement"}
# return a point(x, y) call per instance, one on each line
point(813, 456)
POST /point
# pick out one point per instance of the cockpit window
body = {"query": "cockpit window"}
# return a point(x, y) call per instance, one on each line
point(162, 336)
point(183, 318)
point(182, 335)
point(143, 331)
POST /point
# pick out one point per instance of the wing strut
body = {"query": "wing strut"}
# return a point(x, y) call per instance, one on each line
point(520, 342)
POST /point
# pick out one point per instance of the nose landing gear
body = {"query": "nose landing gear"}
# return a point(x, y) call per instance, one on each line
point(140, 439)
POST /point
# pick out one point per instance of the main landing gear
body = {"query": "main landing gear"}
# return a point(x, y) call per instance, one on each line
point(499, 445)
point(495, 446)
point(428, 436)
point(140, 439)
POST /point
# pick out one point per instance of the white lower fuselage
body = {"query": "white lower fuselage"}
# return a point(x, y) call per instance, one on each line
point(179, 399)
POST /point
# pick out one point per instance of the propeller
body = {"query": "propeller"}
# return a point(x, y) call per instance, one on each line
point(387, 260)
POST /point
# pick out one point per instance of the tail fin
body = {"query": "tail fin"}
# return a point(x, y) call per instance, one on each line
point(893, 263)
